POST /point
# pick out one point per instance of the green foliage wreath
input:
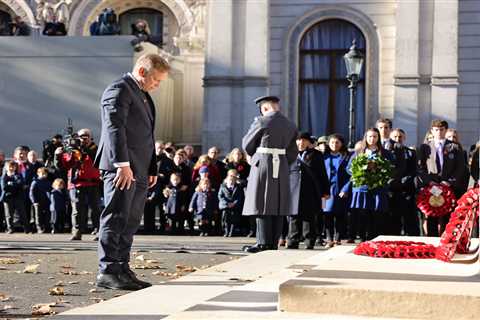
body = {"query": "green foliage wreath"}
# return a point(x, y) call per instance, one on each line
point(372, 171)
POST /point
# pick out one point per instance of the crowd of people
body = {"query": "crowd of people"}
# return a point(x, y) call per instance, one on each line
point(204, 195)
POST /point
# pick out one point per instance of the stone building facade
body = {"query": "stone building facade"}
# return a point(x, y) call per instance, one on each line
point(422, 61)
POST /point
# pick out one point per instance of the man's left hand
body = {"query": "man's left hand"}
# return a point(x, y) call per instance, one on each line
point(152, 181)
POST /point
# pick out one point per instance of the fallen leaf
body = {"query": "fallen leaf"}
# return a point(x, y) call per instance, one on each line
point(97, 299)
point(8, 307)
point(10, 260)
point(91, 283)
point(43, 309)
point(140, 258)
point(3, 297)
point(86, 272)
point(94, 291)
point(117, 295)
point(56, 291)
point(60, 301)
point(73, 282)
point(70, 272)
point(66, 266)
point(31, 268)
point(59, 284)
point(183, 268)
point(51, 278)
point(3, 268)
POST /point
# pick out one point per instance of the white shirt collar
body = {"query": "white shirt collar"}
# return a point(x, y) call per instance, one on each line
point(439, 143)
point(134, 80)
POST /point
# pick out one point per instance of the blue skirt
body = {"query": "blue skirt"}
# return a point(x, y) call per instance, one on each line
point(374, 200)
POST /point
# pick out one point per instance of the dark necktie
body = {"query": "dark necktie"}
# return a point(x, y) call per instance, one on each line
point(437, 160)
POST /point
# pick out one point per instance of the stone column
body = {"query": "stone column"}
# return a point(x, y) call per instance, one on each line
point(407, 78)
point(445, 61)
point(255, 82)
point(218, 71)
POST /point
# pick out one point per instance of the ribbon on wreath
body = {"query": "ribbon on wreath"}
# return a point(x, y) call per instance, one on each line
point(436, 200)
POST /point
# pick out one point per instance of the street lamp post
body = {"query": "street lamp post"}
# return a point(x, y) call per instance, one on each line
point(353, 62)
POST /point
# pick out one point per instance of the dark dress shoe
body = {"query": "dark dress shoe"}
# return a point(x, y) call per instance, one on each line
point(291, 245)
point(134, 278)
point(255, 248)
point(116, 281)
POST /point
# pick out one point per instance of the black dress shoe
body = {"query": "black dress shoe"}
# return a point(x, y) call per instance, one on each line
point(255, 248)
point(291, 245)
point(134, 278)
point(116, 281)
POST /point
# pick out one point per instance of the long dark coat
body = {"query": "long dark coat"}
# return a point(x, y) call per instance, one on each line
point(266, 195)
point(308, 183)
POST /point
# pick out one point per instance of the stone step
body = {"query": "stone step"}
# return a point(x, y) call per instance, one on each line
point(197, 289)
point(399, 288)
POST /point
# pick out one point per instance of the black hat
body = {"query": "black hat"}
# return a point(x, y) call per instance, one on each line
point(305, 135)
point(261, 99)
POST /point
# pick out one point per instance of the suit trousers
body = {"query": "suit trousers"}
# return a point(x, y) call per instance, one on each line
point(119, 221)
point(269, 229)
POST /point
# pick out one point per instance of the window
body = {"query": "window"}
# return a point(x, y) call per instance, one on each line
point(153, 17)
point(324, 94)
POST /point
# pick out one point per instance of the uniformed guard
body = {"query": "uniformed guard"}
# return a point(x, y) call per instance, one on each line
point(270, 142)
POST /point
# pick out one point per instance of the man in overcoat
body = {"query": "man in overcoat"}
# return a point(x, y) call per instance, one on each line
point(126, 158)
point(270, 142)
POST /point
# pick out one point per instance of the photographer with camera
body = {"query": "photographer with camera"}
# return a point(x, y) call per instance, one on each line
point(77, 156)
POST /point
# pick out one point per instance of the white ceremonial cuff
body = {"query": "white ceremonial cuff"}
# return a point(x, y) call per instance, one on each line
point(121, 164)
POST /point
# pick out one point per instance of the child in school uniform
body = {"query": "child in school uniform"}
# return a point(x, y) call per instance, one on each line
point(231, 199)
point(368, 214)
point(176, 203)
point(58, 205)
point(39, 196)
point(336, 160)
point(203, 205)
point(13, 197)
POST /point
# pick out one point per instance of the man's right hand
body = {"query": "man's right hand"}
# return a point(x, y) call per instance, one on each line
point(124, 178)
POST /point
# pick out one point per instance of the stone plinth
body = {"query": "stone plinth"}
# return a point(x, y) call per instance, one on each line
point(398, 288)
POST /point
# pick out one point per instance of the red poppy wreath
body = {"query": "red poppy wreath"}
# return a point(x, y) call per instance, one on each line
point(436, 200)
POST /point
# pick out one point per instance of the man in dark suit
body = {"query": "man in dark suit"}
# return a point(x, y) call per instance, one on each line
point(270, 142)
point(309, 184)
point(440, 161)
point(399, 163)
point(402, 200)
point(126, 157)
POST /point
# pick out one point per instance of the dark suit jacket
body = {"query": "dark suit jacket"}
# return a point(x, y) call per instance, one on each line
point(453, 170)
point(128, 121)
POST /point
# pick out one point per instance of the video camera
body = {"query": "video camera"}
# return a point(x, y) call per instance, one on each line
point(69, 142)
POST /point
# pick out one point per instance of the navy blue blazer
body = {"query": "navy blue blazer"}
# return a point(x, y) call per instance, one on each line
point(339, 178)
point(128, 122)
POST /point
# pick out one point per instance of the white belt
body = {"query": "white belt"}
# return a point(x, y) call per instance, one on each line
point(275, 158)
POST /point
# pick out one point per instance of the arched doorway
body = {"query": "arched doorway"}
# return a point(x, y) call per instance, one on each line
point(5, 20)
point(323, 89)
point(153, 17)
